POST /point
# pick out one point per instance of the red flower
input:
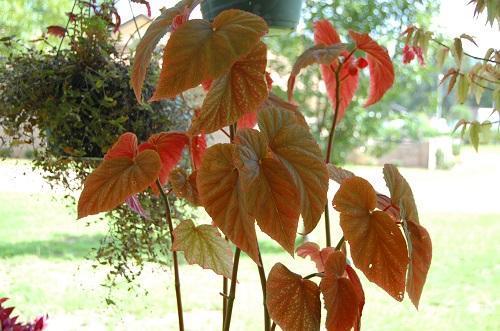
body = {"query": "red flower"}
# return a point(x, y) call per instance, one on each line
point(408, 54)
point(420, 56)
point(361, 63)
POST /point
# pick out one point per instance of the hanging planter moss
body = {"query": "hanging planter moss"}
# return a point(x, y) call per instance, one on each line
point(280, 15)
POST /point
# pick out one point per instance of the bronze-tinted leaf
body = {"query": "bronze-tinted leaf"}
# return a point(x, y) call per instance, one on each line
point(293, 302)
point(378, 248)
point(401, 194)
point(320, 54)
point(203, 245)
point(341, 300)
point(115, 180)
point(199, 50)
point(297, 149)
point(377, 245)
point(338, 174)
point(420, 261)
point(221, 193)
point(270, 191)
point(240, 91)
point(156, 30)
point(184, 185)
point(355, 197)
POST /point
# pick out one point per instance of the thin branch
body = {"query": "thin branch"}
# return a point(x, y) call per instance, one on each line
point(224, 296)
point(340, 243)
point(316, 274)
point(174, 256)
point(66, 28)
point(329, 146)
point(262, 275)
point(225, 132)
point(133, 17)
point(465, 53)
point(232, 290)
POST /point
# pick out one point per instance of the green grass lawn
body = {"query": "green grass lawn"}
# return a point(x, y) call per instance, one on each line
point(46, 267)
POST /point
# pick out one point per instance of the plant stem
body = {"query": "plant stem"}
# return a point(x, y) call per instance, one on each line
point(174, 257)
point(229, 300)
point(329, 147)
point(262, 274)
point(224, 296)
point(66, 28)
point(232, 290)
point(340, 243)
point(224, 299)
point(467, 54)
point(316, 274)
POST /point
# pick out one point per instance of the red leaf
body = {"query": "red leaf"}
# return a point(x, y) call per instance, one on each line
point(317, 256)
point(125, 146)
point(324, 33)
point(56, 30)
point(169, 146)
point(341, 299)
point(198, 145)
point(379, 63)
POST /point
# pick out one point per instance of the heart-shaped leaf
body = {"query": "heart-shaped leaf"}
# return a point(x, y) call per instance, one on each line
point(203, 245)
point(199, 50)
point(297, 149)
point(293, 302)
point(270, 191)
point(379, 64)
point(341, 300)
point(240, 91)
point(222, 195)
point(115, 180)
point(377, 245)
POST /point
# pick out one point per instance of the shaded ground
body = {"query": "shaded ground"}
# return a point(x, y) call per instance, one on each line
point(43, 265)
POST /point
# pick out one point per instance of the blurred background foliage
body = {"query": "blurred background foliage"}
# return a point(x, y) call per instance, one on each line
point(413, 96)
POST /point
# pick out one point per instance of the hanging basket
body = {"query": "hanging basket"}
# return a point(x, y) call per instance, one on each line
point(280, 15)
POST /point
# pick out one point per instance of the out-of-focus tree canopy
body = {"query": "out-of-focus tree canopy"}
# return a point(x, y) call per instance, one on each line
point(414, 91)
point(27, 19)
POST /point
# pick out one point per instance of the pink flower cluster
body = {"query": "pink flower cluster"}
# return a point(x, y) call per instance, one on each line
point(10, 323)
point(410, 52)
